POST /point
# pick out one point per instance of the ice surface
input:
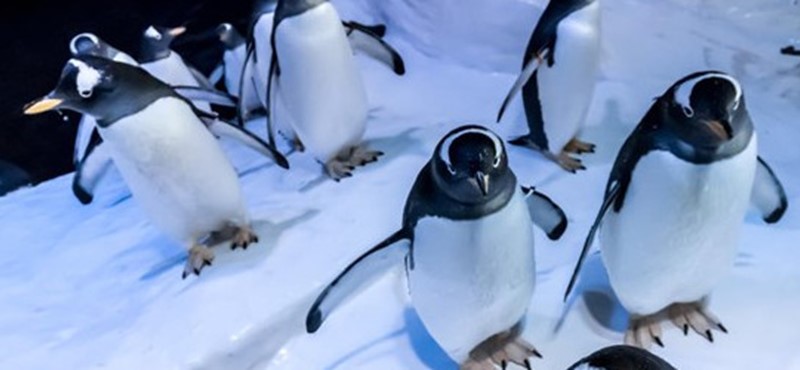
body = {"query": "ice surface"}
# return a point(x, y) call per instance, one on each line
point(99, 287)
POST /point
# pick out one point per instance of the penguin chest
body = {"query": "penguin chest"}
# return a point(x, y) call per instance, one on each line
point(173, 71)
point(175, 169)
point(320, 83)
point(473, 279)
point(566, 88)
point(676, 235)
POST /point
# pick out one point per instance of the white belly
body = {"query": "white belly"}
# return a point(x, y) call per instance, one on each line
point(173, 71)
point(566, 89)
point(176, 170)
point(473, 279)
point(676, 235)
point(320, 82)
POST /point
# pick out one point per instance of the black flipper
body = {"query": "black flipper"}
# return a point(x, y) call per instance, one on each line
point(207, 95)
point(220, 127)
point(88, 172)
point(361, 272)
point(545, 213)
point(369, 40)
point(611, 196)
point(240, 108)
point(273, 71)
point(527, 71)
point(768, 195)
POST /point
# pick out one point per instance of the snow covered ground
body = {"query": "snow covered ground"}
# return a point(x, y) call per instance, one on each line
point(99, 287)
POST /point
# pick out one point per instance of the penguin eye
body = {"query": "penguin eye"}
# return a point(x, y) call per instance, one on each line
point(735, 105)
point(688, 111)
point(496, 162)
point(451, 169)
point(85, 93)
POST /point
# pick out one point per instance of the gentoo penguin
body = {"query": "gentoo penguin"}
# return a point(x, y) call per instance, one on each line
point(92, 162)
point(675, 201)
point(622, 358)
point(175, 168)
point(165, 64)
point(467, 239)
point(239, 78)
point(312, 68)
point(557, 80)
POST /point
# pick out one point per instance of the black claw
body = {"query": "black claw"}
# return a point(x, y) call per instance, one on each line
point(255, 239)
point(379, 153)
point(685, 329)
point(197, 271)
point(528, 364)
point(722, 328)
point(206, 263)
point(503, 364)
point(658, 341)
point(536, 353)
point(709, 336)
point(183, 275)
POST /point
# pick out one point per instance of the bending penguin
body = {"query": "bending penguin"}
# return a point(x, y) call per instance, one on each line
point(180, 176)
point(557, 80)
point(674, 204)
point(312, 68)
point(467, 240)
point(621, 358)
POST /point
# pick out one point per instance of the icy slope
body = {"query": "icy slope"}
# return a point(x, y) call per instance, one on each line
point(99, 287)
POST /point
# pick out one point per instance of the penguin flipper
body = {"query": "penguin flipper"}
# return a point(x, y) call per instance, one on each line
point(613, 192)
point(530, 67)
point(768, 195)
point(270, 106)
point(241, 112)
point(90, 170)
point(545, 213)
point(212, 96)
point(217, 74)
point(227, 129)
point(201, 79)
point(369, 40)
point(358, 274)
point(86, 131)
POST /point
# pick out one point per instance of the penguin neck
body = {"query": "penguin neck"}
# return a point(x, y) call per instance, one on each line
point(456, 209)
point(153, 54)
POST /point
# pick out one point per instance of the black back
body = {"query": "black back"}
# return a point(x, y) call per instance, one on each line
point(123, 90)
point(623, 358)
point(666, 127)
point(436, 191)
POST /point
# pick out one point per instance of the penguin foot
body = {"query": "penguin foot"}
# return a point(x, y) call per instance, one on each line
point(200, 256)
point(338, 169)
point(579, 147)
point(696, 316)
point(361, 156)
point(243, 238)
point(500, 350)
point(643, 331)
point(572, 165)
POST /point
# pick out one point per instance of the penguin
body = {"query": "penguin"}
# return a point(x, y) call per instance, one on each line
point(93, 163)
point(622, 358)
point(557, 80)
point(311, 67)
point(467, 240)
point(165, 64)
point(173, 165)
point(674, 204)
point(238, 76)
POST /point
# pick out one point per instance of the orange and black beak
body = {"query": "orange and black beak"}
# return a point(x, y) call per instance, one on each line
point(42, 105)
point(720, 129)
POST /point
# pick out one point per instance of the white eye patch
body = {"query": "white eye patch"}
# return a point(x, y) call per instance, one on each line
point(445, 150)
point(152, 33)
point(73, 45)
point(87, 79)
point(684, 91)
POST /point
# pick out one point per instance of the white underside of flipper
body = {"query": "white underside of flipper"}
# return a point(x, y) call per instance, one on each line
point(677, 233)
point(320, 82)
point(174, 71)
point(176, 170)
point(473, 279)
point(566, 89)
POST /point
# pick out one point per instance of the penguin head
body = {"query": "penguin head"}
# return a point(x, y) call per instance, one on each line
point(707, 108)
point(229, 36)
point(156, 42)
point(468, 163)
point(100, 88)
point(88, 44)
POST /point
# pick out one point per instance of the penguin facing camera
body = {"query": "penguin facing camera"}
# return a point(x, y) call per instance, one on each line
point(557, 80)
point(621, 358)
point(466, 239)
point(675, 202)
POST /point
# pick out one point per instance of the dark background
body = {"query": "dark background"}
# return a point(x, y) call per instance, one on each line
point(34, 45)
